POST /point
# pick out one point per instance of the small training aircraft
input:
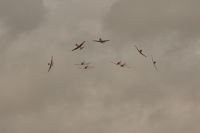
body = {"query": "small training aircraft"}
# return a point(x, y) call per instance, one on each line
point(154, 63)
point(140, 51)
point(87, 67)
point(120, 64)
point(117, 63)
point(50, 64)
point(83, 63)
point(80, 46)
point(101, 41)
point(124, 65)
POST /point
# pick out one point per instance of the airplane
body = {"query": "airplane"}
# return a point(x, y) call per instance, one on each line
point(140, 51)
point(124, 65)
point(117, 63)
point(83, 63)
point(79, 46)
point(154, 63)
point(101, 41)
point(87, 67)
point(50, 64)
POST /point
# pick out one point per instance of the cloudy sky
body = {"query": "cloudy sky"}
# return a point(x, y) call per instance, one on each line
point(105, 99)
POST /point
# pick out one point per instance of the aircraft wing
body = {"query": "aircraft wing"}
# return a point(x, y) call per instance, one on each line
point(143, 54)
point(76, 48)
point(52, 60)
point(137, 48)
point(50, 67)
point(82, 43)
point(106, 40)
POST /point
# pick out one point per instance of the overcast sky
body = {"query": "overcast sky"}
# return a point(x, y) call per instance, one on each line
point(105, 99)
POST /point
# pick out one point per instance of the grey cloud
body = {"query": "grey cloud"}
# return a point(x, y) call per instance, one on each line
point(18, 17)
point(21, 15)
point(137, 18)
point(104, 99)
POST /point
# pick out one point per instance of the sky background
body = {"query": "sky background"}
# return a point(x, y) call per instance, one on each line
point(106, 99)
